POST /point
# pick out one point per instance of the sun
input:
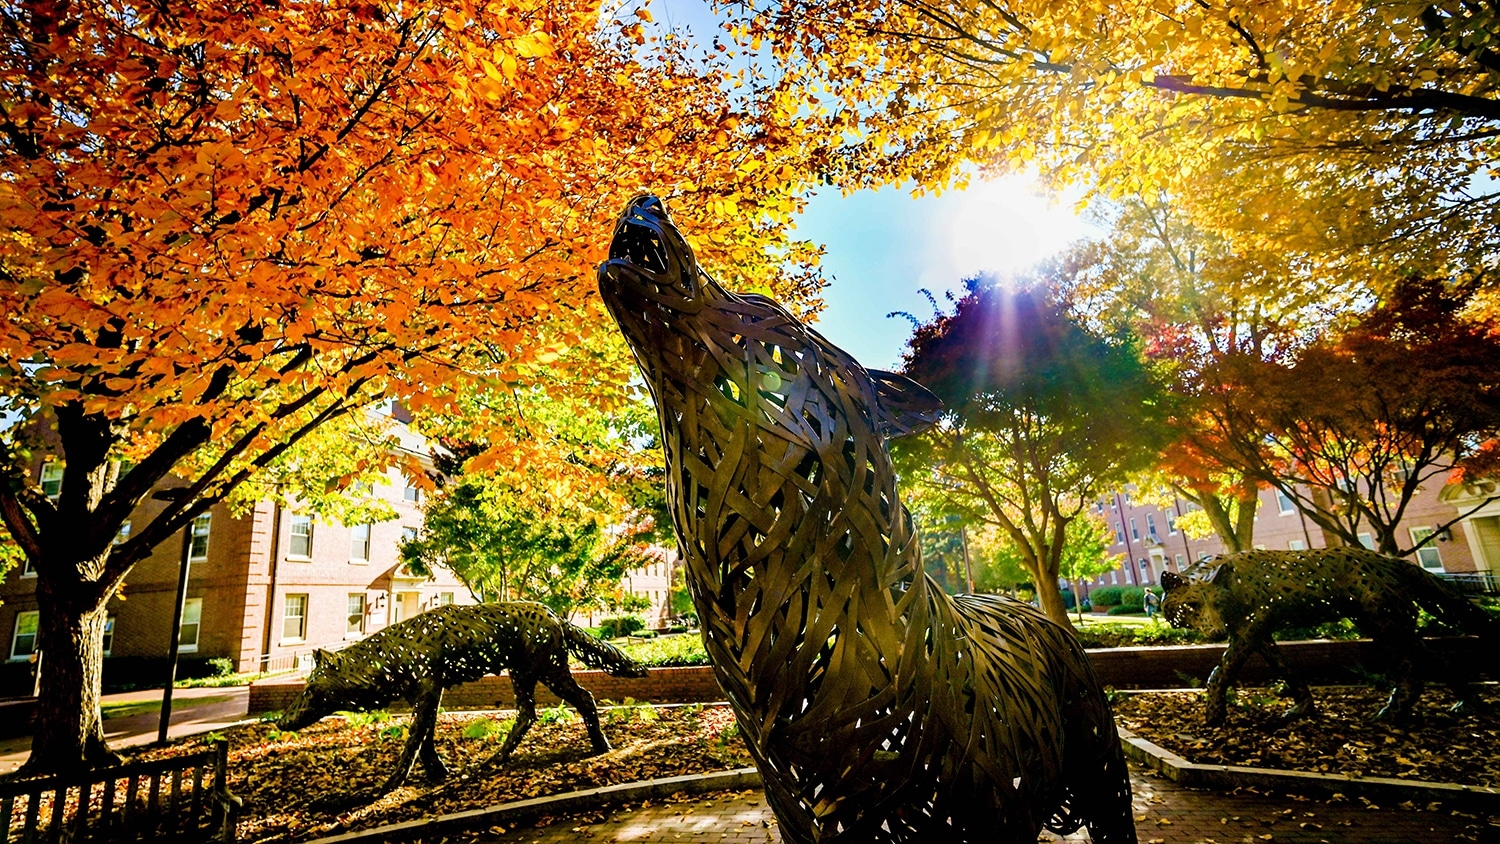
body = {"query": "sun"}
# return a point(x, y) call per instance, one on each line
point(1003, 226)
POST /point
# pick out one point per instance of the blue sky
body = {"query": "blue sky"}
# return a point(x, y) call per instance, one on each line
point(884, 247)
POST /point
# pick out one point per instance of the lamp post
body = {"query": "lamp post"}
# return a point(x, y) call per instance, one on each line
point(177, 609)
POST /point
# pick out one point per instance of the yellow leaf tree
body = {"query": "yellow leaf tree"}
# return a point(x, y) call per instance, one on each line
point(224, 225)
point(1349, 134)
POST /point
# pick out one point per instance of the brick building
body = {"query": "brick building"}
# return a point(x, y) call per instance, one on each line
point(264, 588)
point(1148, 538)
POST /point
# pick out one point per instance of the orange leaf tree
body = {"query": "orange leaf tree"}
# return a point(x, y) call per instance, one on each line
point(224, 224)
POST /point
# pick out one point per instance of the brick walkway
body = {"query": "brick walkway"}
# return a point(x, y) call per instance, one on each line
point(1165, 814)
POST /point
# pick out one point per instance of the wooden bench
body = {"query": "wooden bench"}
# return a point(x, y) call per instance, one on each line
point(184, 798)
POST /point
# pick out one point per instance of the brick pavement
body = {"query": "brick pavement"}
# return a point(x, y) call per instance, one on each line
point(1165, 814)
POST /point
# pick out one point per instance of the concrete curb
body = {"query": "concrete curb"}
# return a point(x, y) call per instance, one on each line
point(1379, 790)
point(738, 779)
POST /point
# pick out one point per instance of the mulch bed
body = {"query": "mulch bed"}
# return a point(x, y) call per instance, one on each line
point(323, 780)
point(1343, 738)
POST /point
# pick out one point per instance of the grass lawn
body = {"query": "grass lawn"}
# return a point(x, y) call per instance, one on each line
point(126, 708)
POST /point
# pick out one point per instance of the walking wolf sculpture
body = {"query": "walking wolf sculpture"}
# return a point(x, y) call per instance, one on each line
point(1252, 594)
point(418, 658)
point(878, 708)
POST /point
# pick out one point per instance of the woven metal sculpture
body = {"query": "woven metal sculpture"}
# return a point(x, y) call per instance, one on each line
point(418, 658)
point(1253, 594)
point(878, 708)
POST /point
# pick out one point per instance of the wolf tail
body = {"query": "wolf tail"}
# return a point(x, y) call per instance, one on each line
point(597, 653)
point(1450, 607)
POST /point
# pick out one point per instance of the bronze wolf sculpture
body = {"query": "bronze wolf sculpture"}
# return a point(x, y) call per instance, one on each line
point(418, 658)
point(878, 708)
point(1252, 594)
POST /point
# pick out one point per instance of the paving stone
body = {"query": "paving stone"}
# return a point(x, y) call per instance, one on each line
point(1165, 814)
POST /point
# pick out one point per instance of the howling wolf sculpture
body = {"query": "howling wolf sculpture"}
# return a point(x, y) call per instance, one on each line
point(878, 708)
point(417, 658)
point(1253, 594)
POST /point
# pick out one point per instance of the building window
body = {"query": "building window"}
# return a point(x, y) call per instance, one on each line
point(199, 549)
point(411, 493)
point(302, 533)
point(23, 641)
point(1284, 504)
point(123, 534)
point(445, 599)
point(1296, 545)
point(1151, 525)
point(109, 635)
point(359, 544)
point(355, 625)
point(1144, 564)
point(1428, 555)
point(27, 569)
point(408, 534)
point(187, 635)
point(1367, 541)
point(1171, 526)
point(294, 619)
point(1135, 532)
point(52, 474)
point(1119, 533)
point(1178, 558)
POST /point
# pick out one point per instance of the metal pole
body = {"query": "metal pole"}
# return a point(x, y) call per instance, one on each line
point(963, 538)
point(177, 610)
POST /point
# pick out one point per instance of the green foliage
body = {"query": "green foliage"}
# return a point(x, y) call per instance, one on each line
point(1156, 632)
point(1123, 610)
point(1041, 415)
point(486, 729)
point(364, 719)
point(1106, 596)
point(221, 666)
point(621, 625)
point(559, 714)
point(668, 651)
point(393, 732)
point(1341, 629)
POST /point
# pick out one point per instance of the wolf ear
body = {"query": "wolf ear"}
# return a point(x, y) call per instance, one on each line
point(322, 658)
point(904, 406)
point(1172, 580)
point(1222, 575)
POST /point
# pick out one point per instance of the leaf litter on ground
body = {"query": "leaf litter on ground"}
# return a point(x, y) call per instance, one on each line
point(323, 780)
point(1342, 738)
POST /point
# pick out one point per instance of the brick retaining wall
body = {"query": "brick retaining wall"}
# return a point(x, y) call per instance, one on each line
point(1321, 662)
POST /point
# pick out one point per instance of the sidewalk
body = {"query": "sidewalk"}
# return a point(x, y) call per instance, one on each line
point(1164, 813)
point(193, 711)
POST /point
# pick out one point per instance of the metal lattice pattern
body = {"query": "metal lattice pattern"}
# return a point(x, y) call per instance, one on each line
point(878, 708)
point(1253, 594)
point(418, 658)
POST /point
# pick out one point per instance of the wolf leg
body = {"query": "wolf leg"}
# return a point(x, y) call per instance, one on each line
point(1401, 649)
point(1240, 648)
point(426, 721)
point(1302, 699)
point(525, 688)
point(420, 731)
point(561, 682)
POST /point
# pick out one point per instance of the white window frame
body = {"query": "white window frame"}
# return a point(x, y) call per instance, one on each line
point(354, 532)
point(292, 536)
point(51, 473)
point(445, 599)
point(1119, 532)
point(353, 630)
point(123, 533)
point(1366, 541)
point(202, 525)
point(286, 606)
point(15, 635)
point(1178, 559)
point(412, 493)
point(1428, 551)
point(192, 616)
point(1296, 545)
point(109, 635)
point(408, 533)
point(1135, 531)
point(1285, 506)
point(1171, 526)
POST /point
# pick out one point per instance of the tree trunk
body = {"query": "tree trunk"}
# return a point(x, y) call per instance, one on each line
point(68, 731)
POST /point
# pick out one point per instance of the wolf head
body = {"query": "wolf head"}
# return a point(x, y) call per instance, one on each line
point(321, 696)
point(742, 354)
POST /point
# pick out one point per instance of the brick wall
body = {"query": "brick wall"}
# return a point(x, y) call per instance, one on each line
point(1321, 662)
point(662, 685)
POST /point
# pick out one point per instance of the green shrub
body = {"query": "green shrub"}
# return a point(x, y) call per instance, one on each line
point(669, 651)
point(221, 666)
point(1123, 610)
point(620, 625)
point(1341, 629)
point(1106, 596)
